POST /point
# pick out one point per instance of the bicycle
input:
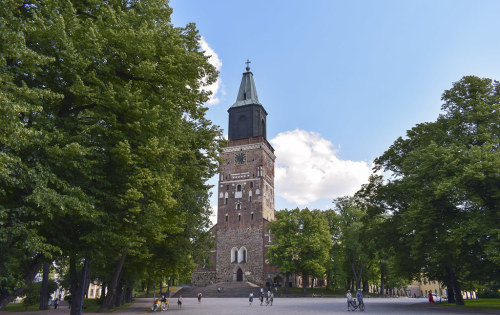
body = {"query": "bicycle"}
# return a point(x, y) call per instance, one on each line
point(354, 306)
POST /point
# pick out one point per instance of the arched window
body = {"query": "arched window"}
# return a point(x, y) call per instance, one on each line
point(242, 254)
point(238, 206)
point(238, 188)
point(234, 255)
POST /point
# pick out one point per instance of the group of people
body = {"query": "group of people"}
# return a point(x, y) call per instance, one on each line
point(162, 304)
point(269, 297)
point(350, 301)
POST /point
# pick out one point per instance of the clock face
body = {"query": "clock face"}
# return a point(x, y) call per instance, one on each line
point(240, 158)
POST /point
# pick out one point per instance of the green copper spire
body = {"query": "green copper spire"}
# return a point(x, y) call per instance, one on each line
point(247, 94)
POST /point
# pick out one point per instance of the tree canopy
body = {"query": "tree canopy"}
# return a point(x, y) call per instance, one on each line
point(444, 191)
point(301, 243)
point(104, 144)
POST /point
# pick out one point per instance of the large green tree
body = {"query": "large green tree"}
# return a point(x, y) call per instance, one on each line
point(106, 147)
point(444, 193)
point(301, 243)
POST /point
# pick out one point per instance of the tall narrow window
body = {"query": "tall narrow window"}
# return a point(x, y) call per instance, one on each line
point(238, 188)
point(227, 187)
point(238, 206)
point(250, 198)
point(226, 217)
point(251, 184)
point(239, 217)
point(225, 201)
point(251, 216)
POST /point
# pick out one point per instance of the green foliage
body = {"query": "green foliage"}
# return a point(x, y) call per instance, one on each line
point(33, 292)
point(444, 191)
point(301, 242)
point(104, 145)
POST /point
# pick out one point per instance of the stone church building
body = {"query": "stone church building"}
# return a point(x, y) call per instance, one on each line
point(245, 197)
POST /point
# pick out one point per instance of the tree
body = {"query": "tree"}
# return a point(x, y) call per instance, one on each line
point(444, 190)
point(301, 243)
point(352, 241)
point(109, 137)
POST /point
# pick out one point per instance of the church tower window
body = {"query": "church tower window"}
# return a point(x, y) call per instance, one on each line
point(238, 188)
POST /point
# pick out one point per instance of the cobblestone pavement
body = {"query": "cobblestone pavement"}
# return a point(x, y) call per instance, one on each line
point(286, 306)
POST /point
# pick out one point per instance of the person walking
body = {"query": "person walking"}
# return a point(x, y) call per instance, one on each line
point(349, 300)
point(261, 298)
point(431, 298)
point(179, 302)
point(250, 298)
point(56, 303)
point(271, 298)
point(359, 295)
point(199, 297)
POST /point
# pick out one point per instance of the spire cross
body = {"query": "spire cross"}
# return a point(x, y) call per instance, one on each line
point(248, 64)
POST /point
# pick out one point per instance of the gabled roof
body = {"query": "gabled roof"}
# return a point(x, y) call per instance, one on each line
point(247, 94)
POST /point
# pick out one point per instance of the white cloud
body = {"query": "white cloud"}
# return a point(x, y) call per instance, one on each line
point(213, 216)
point(307, 168)
point(216, 87)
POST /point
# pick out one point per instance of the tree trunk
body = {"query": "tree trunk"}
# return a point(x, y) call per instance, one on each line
point(148, 286)
point(87, 279)
point(287, 281)
point(356, 275)
point(382, 281)
point(103, 291)
point(459, 299)
point(7, 296)
point(112, 287)
point(77, 285)
point(449, 290)
point(44, 290)
point(119, 295)
point(305, 282)
point(128, 294)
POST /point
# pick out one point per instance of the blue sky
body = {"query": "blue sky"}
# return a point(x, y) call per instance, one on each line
point(341, 80)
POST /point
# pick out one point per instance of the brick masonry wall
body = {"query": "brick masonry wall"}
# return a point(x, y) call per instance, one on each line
point(203, 278)
point(251, 239)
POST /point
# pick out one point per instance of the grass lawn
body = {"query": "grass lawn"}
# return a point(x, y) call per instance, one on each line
point(481, 303)
point(20, 307)
point(321, 291)
point(156, 293)
point(89, 306)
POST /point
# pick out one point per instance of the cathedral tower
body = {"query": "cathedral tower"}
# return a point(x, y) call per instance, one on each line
point(245, 192)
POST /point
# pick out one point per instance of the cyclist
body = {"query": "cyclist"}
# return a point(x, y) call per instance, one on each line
point(359, 295)
point(349, 300)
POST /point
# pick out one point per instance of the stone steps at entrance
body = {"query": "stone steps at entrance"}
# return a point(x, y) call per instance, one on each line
point(231, 289)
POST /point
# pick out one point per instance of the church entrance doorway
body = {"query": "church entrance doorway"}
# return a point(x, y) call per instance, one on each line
point(239, 275)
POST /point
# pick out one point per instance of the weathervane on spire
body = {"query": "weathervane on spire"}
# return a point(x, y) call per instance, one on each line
point(248, 65)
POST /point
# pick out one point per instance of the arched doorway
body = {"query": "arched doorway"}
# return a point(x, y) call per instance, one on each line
point(239, 275)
